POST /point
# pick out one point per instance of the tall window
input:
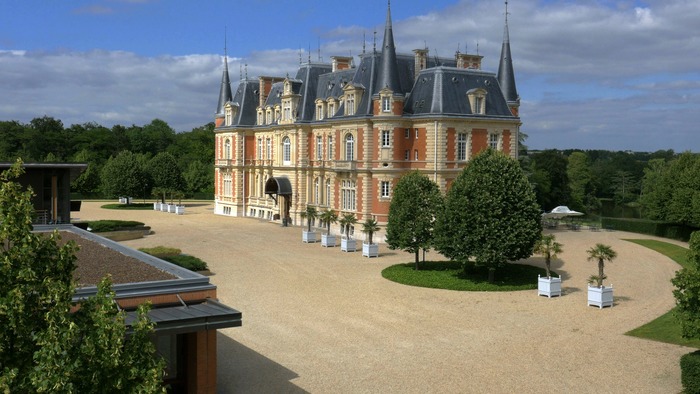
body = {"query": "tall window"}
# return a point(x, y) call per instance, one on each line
point(386, 104)
point(385, 188)
point(260, 117)
point(407, 133)
point(349, 147)
point(493, 141)
point(286, 151)
point(479, 104)
point(319, 112)
point(348, 195)
point(328, 192)
point(319, 147)
point(416, 132)
point(415, 155)
point(268, 154)
point(227, 149)
point(317, 191)
point(287, 111)
point(350, 104)
point(407, 154)
point(462, 146)
point(228, 185)
point(331, 109)
point(385, 138)
point(260, 149)
point(330, 147)
point(268, 116)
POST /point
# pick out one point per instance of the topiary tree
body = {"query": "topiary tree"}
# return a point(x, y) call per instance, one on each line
point(687, 292)
point(44, 347)
point(601, 253)
point(348, 220)
point(414, 207)
point(124, 175)
point(549, 248)
point(490, 214)
point(166, 174)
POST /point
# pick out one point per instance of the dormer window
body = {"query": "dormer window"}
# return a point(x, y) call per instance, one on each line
point(261, 117)
point(386, 104)
point(319, 110)
point(331, 108)
point(350, 104)
point(287, 110)
point(277, 113)
point(477, 101)
point(229, 116)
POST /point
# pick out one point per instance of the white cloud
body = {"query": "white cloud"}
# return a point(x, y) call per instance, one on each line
point(614, 75)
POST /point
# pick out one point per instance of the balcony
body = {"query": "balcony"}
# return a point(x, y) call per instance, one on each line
point(223, 163)
point(344, 165)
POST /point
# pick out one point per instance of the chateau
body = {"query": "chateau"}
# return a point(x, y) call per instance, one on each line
point(339, 135)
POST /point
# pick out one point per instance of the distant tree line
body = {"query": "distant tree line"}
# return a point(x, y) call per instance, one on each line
point(136, 161)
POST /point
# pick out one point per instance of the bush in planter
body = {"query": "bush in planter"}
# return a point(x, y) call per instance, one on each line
point(370, 227)
point(309, 214)
point(348, 220)
point(690, 372)
point(601, 253)
point(327, 218)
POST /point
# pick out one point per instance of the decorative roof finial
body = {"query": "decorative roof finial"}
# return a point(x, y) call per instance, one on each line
point(374, 48)
point(364, 41)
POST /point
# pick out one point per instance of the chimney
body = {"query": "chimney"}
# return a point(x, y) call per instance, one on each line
point(341, 62)
point(265, 87)
point(465, 60)
point(421, 60)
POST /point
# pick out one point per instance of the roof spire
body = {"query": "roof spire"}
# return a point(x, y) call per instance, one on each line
point(389, 73)
point(506, 75)
point(225, 90)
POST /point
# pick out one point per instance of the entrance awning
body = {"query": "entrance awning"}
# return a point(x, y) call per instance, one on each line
point(207, 315)
point(279, 185)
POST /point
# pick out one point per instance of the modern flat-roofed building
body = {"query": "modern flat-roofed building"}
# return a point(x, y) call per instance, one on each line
point(339, 135)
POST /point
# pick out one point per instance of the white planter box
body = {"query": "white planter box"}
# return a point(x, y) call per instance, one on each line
point(180, 209)
point(550, 287)
point(155, 206)
point(348, 245)
point(600, 297)
point(308, 236)
point(171, 208)
point(327, 241)
point(370, 250)
point(164, 207)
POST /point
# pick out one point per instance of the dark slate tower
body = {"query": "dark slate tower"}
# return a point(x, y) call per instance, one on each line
point(389, 71)
point(506, 76)
point(225, 94)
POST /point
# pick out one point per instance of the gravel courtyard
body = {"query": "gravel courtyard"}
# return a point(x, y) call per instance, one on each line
point(319, 320)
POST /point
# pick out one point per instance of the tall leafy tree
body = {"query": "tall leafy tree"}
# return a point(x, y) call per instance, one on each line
point(687, 292)
point(412, 214)
point(124, 175)
point(166, 174)
point(552, 165)
point(490, 214)
point(199, 177)
point(578, 170)
point(46, 348)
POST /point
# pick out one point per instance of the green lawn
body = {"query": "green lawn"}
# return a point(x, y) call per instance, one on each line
point(664, 328)
point(450, 275)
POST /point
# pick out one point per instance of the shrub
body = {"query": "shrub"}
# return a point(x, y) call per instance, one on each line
point(161, 251)
point(189, 262)
point(101, 226)
point(650, 227)
point(690, 372)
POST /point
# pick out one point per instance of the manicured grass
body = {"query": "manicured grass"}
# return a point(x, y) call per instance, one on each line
point(450, 275)
point(101, 226)
point(161, 251)
point(130, 207)
point(664, 328)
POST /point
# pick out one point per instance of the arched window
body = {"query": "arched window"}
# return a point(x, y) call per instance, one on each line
point(317, 191)
point(328, 192)
point(349, 147)
point(286, 151)
point(227, 149)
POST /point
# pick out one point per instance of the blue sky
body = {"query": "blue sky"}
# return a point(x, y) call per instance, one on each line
point(592, 74)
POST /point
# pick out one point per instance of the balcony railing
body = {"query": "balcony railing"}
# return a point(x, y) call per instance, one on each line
point(224, 162)
point(345, 165)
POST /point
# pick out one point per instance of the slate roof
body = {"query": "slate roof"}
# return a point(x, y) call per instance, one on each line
point(247, 98)
point(443, 91)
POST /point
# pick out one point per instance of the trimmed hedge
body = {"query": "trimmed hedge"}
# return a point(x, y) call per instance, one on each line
point(101, 226)
point(189, 262)
point(161, 251)
point(690, 372)
point(650, 227)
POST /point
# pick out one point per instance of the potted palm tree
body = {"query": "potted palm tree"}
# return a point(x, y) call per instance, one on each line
point(327, 218)
point(548, 247)
point(346, 222)
point(598, 294)
point(370, 249)
point(309, 214)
